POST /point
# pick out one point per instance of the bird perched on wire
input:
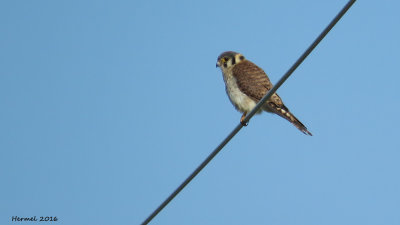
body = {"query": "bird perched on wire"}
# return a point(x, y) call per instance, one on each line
point(246, 84)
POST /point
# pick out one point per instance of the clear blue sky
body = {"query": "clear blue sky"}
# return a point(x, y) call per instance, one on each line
point(107, 106)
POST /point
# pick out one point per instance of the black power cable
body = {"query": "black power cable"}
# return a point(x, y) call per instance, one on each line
point(251, 114)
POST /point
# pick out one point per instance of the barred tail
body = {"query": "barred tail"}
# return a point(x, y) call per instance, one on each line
point(283, 112)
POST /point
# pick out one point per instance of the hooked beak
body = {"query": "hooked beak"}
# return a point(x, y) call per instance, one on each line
point(217, 65)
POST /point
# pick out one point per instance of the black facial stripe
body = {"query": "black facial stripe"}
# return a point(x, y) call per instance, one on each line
point(233, 60)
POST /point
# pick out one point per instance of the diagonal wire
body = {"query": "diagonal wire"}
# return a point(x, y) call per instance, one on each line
point(252, 112)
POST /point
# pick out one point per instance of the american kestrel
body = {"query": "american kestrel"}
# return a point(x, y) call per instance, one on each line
point(246, 84)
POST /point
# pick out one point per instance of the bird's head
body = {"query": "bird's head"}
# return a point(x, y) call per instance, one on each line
point(227, 59)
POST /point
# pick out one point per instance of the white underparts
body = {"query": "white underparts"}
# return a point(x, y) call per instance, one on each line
point(242, 102)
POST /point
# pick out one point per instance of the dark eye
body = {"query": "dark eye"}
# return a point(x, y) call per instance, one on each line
point(241, 57)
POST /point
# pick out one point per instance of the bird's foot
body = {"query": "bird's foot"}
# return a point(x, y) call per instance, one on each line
point(242, 120)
